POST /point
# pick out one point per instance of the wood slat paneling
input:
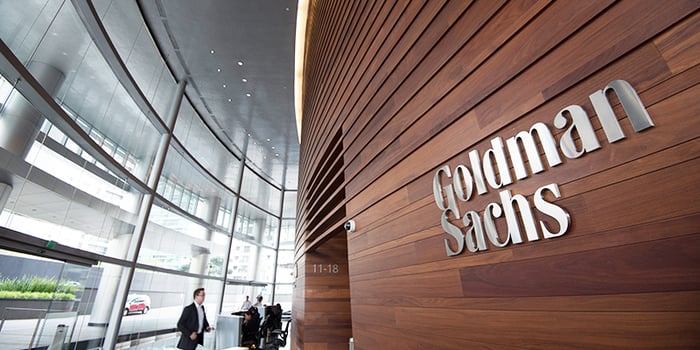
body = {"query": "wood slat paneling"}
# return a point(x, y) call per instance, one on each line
point(396, 89)
point(639, 268)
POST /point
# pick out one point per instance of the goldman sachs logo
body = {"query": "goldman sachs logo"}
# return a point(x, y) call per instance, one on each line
point(492, 170)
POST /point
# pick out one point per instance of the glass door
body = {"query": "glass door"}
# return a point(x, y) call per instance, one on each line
point(40, 301)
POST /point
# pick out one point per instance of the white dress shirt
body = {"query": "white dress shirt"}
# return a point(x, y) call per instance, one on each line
point(200, 317)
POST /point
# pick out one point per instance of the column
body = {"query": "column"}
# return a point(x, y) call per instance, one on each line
point(111, 275)
point(199, 264)
point(20, 122)
point(146, 204)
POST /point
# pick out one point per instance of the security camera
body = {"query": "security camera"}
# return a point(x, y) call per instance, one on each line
point(350, 226)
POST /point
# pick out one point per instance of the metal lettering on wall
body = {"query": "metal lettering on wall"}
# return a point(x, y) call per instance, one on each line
point(492, 170)
point(326, 268)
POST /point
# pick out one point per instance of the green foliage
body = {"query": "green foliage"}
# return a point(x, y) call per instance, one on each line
point(216, 266)
point(36, 288)
point(6, 294)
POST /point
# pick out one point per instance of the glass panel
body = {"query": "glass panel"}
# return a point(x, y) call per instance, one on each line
point(86, 87)
point(56, 195)
point(165, 295)
point(191, 189)
point(191, 132)
point(242, 261)
point(60, 193)
point(62, 321)
point(249, 262)
point(5, 91)
point(266, 161)
point(44, 301)
point(290, 204)
point(95, 135)
point(235, 296)
point(292, 178)
point(91, 94)
point(57, 134)
point(224, 217)
point(177, 196)
point(109, 146)
point(283, 296)
point(287, 234)
point(95, 96)
point(266, 269)
point(285, 267)
point(260, 192)
point(255, 225)
point(24, 23)
point(175, 242)
point(72, 146)
point(123, 22)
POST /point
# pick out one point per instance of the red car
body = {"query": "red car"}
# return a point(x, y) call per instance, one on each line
point(137, 303)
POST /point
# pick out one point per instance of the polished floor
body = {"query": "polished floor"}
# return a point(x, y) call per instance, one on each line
point(39, 333)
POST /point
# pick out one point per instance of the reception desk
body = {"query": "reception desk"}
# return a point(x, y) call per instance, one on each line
point(228, 331)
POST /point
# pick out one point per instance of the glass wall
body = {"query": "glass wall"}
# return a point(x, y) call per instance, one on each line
point(133, 42)
point(84, 177)
point(209, 152)
point(261, 193)
point(284, 281)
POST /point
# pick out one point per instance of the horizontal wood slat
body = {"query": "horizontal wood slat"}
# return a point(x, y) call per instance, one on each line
point(395, 90)
point(659, 266)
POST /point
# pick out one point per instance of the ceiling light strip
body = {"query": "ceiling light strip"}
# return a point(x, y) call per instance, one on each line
point(299, 57)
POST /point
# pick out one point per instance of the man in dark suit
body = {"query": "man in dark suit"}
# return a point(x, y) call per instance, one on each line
point(193, 323)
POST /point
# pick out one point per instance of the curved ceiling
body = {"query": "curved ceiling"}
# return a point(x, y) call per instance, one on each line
point(238, 60)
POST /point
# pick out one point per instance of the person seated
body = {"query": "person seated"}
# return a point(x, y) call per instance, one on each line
point(272, 322)
point(249, 328)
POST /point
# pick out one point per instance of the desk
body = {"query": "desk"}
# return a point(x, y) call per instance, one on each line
point(228, 332)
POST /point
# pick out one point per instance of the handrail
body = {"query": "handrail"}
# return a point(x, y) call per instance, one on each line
point(41, 316)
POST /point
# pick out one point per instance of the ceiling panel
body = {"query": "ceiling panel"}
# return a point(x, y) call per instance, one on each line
point(238, 57)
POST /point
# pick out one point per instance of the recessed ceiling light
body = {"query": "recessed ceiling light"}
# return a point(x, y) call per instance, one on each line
point(268, 140)
point(218, 70)
point(244, 80)
point(229, 100)
point(277, 154)
point(240, 63)
point(248, 94)
point(211, 52)
point(224, 86)
point(273, 147)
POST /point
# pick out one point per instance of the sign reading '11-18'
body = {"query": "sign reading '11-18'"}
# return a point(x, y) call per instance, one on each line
point(492, 169)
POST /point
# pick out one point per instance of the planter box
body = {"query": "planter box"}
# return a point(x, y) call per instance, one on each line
point(15, 309)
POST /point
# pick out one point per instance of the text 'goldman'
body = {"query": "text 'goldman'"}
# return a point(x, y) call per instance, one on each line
point(492, 169)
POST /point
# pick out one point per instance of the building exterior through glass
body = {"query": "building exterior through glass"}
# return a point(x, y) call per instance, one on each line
point(117, 205)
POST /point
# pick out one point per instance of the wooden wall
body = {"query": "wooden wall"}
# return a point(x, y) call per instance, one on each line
point(321, 307)
point(395, 90)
